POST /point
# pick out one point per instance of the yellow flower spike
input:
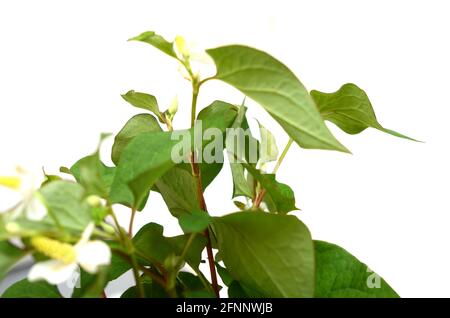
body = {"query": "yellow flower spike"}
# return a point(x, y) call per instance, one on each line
point(54, 249)
point(11, 182)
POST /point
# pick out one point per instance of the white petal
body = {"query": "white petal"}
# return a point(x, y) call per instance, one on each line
point(36, 209)
point(53, 271)
point(93, 254)
point(86, 234)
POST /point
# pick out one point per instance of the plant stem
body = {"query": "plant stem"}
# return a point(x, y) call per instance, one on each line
point(201, 199)
point(137, 278)
point(130, 227)
point(262, 192)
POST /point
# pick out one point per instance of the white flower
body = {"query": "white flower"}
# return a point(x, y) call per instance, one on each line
point(65, 258)
point(30, 204)
point(200, 63)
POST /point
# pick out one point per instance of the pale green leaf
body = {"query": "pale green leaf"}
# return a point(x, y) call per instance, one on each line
point(194, 222)
point(143, 100)
point(157, 41)
point(268, 150)
point(350, 109)
point(270, 83)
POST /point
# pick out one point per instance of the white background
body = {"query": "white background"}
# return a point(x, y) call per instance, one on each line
point(64, 64)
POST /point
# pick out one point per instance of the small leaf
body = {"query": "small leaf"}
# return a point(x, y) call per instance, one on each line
point(340, 274)
point(268, 253)
point(66, 202)
point(270, 83)
point(195, 222)
point(143, 100)
point(268, 150)
point(26, 289)
point(151, 290)
point(157, 41)
point(350, 109)
point(9, 256)
point(94, 175)
point(136, 125)
point(151, 242)
point(279, 194)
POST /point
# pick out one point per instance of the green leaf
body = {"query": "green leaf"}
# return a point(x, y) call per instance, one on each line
point(280, 196)
point(271, 84)
point(340, 274)
point(138, 124)
point(26, 289)
point(94, 175)
point(118, 267)
point(178, 188)
point(66, 202)
point(268, 253)
point(194, 222)
point(157, 41)
point(149, 155)
point(268, 149)
point(350, 109)
point(9, 256)
point(237, 152)
point(144, 101)
point(151, 242)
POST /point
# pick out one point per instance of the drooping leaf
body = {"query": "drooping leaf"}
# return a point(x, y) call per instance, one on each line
point(279, 195)
point(350, 109)
point(340, 274)
point(269, 253)
point(194, 222)
point(157, 41)
point(136, 125)
point(144, 101)
point(26, 289)
point(9, 256)
point(66, 202)
point(149, 155)
point(271, 84)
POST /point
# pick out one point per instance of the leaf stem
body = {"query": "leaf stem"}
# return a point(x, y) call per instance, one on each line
point(283, 154)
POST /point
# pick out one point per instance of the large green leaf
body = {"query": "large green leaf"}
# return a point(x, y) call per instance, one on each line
point(26, 289)
point(157, 41)
point(151, 242)
point(66, 202)
point(271, 84)
point(136, 125)
point(91, 285)
point(350, 109)
point(194, 222)
point(9, 256)
point(143, 100)
point(268, 253)
point(340, 274)
point(148, 156)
